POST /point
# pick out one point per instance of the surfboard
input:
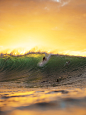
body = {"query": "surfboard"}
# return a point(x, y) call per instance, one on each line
point(42, 63)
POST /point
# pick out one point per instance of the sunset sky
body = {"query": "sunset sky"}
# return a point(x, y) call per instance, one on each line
point(51, 25)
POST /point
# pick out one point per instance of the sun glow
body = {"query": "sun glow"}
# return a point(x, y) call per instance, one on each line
point(55, 26)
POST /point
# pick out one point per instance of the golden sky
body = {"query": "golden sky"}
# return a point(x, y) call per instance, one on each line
point(51, 25)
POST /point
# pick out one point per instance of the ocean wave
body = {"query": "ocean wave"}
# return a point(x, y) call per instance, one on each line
point(58, 68)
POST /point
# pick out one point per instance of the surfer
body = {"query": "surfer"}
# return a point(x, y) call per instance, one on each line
point(67, 63)
point(44, 59)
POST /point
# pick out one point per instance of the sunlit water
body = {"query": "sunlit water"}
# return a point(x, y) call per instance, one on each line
point(57, 88)
point(45, 101)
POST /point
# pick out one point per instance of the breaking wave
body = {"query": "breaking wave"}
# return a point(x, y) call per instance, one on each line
point(25, 68)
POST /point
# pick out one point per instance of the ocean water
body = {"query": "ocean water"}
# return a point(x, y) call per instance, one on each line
point(57, 87)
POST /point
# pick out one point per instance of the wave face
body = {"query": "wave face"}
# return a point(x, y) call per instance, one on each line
point(57, 69)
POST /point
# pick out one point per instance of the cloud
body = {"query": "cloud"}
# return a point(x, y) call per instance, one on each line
point(65, 3)
point(46, 8)
point(57, 0)
point(62, 2)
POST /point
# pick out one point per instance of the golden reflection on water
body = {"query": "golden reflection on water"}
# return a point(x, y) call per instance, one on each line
point(74, 111)
point(43, 101)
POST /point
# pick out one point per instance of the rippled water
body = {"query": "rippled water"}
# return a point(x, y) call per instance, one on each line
point(45, 101)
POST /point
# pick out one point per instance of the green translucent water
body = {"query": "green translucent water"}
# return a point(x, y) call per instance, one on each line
point(15, 68)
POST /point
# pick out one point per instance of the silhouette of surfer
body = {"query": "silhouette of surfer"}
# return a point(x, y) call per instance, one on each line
point(44, 59)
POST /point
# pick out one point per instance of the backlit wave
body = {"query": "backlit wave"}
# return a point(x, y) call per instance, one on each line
point(23, 51)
